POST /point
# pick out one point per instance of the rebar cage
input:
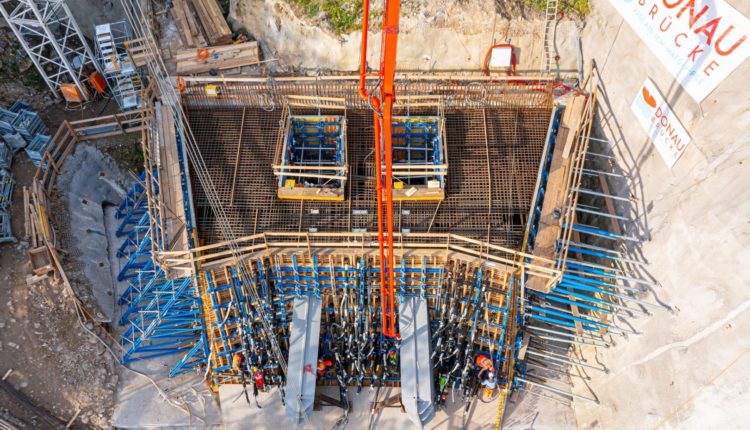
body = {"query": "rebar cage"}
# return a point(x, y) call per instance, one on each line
point(493, 134)
point(419, 158)
point(312, 160)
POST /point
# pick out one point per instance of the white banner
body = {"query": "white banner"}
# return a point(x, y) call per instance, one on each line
point(700, 42)
point(661, 124)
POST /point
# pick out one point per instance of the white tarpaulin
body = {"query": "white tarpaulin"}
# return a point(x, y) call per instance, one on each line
point(660, 123)
point(700, 42)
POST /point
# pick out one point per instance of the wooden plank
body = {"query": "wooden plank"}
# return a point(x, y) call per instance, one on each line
point(524, 346)
point(170, 179)
point(204, 68)
point(574, 114)
point(554, 198)
point(195, 29)
point(322, 167)
point(400, 76)
point(218, 59)
point(217, 54)
point(191, 54)
point(181, 20)
point(211, 19)
point(26, 226)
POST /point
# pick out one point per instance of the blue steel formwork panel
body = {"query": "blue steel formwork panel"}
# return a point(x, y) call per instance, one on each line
point(138, 230)
point(36, 148)
point(7, 118)
point(135, 194)
point(315, 141)
point(6, 155)
point(29, 124)
point(418, 140)
point(18, 106)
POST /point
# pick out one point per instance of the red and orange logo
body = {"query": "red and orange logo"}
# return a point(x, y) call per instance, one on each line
point(650, 100)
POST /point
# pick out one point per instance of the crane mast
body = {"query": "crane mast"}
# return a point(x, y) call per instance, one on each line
point(382, 119)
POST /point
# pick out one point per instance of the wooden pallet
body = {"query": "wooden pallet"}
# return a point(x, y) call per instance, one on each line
point(219, 58)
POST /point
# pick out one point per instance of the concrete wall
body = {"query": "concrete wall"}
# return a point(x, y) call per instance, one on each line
point(695, 219)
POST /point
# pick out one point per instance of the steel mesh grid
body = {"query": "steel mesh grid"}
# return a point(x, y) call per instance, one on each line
point(455, 93)
point(513, 146)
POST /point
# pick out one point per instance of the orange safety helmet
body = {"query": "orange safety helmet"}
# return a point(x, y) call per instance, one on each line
point(180, 83)
point(485, 363)
point(324, 364)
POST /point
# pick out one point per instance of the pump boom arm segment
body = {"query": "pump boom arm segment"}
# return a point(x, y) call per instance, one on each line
point(383, 122)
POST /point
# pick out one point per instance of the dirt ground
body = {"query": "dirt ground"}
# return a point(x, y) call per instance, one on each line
point(56, 363)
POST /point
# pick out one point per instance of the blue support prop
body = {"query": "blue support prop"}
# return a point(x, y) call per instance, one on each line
point(133, 196)
point(163, 316)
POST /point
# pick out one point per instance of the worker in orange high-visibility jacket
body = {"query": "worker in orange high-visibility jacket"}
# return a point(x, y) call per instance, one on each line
point(237, 360)
point(485, 363)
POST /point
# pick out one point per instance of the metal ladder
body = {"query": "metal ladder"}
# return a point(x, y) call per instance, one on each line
point(550, 19)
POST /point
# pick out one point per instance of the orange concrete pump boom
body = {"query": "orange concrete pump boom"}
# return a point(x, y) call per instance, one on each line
point(382, 119)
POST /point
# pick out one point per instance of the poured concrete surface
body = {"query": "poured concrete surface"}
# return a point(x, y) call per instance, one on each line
point(189, 402)
point(237, 414)
point(89, 179)
point(689, 368)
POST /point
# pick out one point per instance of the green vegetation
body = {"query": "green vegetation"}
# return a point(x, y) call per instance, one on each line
point(567, 7)
point(344, 16)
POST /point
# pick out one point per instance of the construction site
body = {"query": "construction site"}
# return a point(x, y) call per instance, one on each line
point(316, 214)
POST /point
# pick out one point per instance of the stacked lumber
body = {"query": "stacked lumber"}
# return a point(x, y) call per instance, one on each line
point(212, 20)
point(189, 61)
point(190, 32)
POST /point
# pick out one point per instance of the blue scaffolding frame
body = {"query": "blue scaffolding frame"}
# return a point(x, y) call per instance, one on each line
point(163, 316)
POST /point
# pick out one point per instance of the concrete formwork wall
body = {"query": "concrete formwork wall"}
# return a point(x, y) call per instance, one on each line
point(695, 219)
